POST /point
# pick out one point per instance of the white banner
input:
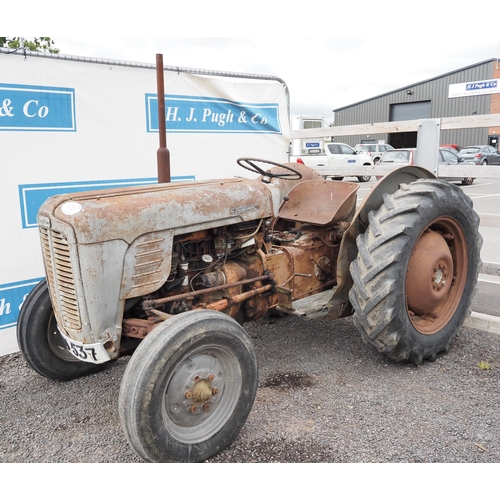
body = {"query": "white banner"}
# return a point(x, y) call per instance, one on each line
point(473, 88)
point(68, 124)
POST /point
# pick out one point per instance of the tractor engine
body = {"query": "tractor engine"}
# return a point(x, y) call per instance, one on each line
point(243, 270)
point(122, 261)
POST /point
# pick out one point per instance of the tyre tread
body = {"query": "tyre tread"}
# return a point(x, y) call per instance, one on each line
point(376, 282)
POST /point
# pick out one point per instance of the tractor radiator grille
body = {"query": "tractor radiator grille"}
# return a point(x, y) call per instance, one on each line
point(60, 279)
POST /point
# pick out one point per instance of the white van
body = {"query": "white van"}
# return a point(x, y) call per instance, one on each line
point(374, 150)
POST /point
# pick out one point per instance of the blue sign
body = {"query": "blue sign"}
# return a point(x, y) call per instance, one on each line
point(490, 84)
point(34, 108)
point(31, 196)
point(211, 114)
point(312, 144)
point(12, 296)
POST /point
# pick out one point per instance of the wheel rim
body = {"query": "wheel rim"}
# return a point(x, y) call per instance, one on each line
point(56, 342)
point(201, 394)
point(436, 275)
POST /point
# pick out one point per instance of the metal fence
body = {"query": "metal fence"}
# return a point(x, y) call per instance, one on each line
point(428, 140)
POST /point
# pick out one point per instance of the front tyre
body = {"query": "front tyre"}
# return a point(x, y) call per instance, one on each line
point(188, 388)
point(41, 343)
point(416, 270)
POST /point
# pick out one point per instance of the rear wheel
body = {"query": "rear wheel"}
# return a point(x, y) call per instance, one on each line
point(41, 343)
point(484, 162)
point(467, 181)
point(188, 388)
point(364, 178)
point(416, 270)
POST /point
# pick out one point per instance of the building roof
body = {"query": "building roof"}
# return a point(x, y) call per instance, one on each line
point(414, 84)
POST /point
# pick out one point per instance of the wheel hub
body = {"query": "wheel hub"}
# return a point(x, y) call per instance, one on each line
point(429, 275)
point(202, 391)
point(436, 275)
point(440, 275)
point(201, 394)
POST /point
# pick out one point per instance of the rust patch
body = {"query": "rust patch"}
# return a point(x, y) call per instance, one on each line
point(319, 202)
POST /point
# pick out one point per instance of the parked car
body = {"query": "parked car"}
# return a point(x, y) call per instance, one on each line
point(342, 154)
point(374, 150)
point(480, 155)
point(400, 157)
point(451, 147)
point(335, 155)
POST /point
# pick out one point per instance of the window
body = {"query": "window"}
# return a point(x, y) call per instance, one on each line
point(469, 151)
point(346, 150)
point(313, 123)
point(448, 156)
point(397, 156)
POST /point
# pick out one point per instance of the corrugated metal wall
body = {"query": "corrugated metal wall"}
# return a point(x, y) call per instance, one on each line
point(377, 110)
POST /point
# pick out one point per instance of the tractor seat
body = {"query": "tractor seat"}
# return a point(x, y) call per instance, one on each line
point(319, 202)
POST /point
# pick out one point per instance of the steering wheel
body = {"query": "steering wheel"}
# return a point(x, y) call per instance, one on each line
point(248, 163)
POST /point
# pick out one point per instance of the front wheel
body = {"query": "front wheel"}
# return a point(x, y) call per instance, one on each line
point(41, 343)
point(416, 270)
point(364, 178)
point(467, 181)
point(188, 388)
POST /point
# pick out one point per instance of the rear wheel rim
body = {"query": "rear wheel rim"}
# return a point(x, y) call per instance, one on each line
point(436, 275)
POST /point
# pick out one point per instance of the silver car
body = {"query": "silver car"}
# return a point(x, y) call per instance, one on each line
point(480, 155)
point(400, 157)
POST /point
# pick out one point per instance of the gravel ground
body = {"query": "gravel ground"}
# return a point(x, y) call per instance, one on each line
point(323, 396)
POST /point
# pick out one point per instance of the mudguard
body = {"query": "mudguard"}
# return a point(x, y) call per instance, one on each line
point(339, 305)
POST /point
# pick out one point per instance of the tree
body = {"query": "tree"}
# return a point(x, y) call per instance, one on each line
point(43, 43)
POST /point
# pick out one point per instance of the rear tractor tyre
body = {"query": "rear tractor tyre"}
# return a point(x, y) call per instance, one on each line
point(416, 270)
point(188, 388)
point(41, 343)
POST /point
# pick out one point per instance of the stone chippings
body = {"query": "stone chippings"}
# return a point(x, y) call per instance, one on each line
point(324, 396)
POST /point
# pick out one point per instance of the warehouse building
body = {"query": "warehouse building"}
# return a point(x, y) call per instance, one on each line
point(473, 90)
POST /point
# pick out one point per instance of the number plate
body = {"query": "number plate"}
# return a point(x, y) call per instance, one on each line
point(90, 353)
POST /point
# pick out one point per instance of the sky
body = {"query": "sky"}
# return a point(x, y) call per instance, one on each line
point(363, 49)
point(322, 74)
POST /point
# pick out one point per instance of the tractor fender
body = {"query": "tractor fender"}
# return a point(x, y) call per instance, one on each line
point(339, 305)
